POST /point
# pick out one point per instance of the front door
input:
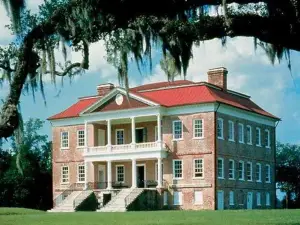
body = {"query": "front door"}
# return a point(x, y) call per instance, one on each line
point(249, 200)
point(101, 137)
point(220, 200)
point(101, 177)
point(139, 135)
point(140, 176)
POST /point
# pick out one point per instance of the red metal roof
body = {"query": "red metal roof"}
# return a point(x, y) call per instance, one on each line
point(75, 109)
point(168, 95)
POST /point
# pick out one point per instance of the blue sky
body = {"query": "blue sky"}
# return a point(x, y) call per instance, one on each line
point(250, 72)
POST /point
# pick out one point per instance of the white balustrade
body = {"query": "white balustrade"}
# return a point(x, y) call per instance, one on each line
point(96, 149)
point(146, 145)
point(121, 147)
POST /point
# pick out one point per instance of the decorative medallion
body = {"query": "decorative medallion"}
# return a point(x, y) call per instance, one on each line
point(119, 99)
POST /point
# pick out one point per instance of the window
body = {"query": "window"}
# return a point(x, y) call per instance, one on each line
point(249, 135)
point(80, 138)
point(241, 170)
point(177, 130)
point(198, 198)
point(177, 169)
point(241, 133)
point(177, 198)
point(220, 168)
point(231, 198)
point(81, 173)
point(198, 168)
point(267, 198)
point(230, 131)
point(258, 198)
point(156, 171)
point(267, 138)
point(165, 198)
point(198, 129)
point(120, 174)
point(268, 174)
point(64, 139)
point(119, 137)
point(64, 174)
point(249, 171)
point(231, 171)
point(257, 137)
point(220, 128)
point(258, 172)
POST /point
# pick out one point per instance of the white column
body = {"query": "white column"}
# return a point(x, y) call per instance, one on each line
point(133, 130)
point(86, 175)
point(159, 173)
point(158, 128)
point(109, 179)
point(109, 135)
point(133, 174)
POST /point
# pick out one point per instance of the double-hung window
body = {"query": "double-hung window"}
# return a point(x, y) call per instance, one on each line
point(198, 128)
point(64, 137)
point(220, 131)
point(80, 138)
point(120, 173)
point(249, 171)
point(267, 138)
point(177, 169)
point(220, 168)
point(268, 174)
point(241, 133)
point(177, 130)
point(258, 137)
point(249, 135)
point(198, 168)
point(241, 173)
point(231, 171)
point(230, 131)
point(258, 172)
point(81, 173)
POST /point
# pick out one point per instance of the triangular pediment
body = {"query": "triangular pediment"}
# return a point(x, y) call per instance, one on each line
point(119, 99)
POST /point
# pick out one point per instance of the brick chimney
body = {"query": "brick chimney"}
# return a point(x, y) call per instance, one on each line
point(103, 89)
point(218, 77)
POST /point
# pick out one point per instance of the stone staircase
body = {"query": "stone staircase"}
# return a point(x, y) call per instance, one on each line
point(120, 202)
point(71, 202)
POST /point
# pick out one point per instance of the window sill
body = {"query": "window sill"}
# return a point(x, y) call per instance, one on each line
point(178, 178)
point(231, 178)
point(269, 182)
point(198, 178)
point(258, 145)
point(63, 149)
point(250, 180)
point(221, 178)
point(231, 140)
point(221, 138)
point(64, 183)
point(249, 143)
point(258, 181)
point(80, 147)
point(268, 147)
point(198, 138)
point(80, 182)
point(241, 179)
point(180, 139)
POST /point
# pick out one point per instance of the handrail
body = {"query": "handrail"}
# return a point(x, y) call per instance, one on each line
point(58, 200)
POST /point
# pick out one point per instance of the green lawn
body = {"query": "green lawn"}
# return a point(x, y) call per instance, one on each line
point(32, 217)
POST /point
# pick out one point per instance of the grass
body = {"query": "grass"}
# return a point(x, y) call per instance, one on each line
point(32, 217)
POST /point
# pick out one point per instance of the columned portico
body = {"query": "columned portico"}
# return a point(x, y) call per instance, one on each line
point(159, 173)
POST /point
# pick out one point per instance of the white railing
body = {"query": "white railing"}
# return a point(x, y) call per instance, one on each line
point(126, 147)
point(121, 147)
point(96, 149)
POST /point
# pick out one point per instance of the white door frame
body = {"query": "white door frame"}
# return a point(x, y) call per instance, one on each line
point(250, 206)
point(220, 191)
point(144, 165)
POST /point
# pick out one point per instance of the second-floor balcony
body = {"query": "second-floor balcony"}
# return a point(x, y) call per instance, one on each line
point(134, 137)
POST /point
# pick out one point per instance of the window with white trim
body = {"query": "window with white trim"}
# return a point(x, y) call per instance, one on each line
point(120, 173)
point(220, 128)
point(177, 130)
point(198, 128)
point(198, 168)
point(268, 174)
point(231, 198)
point(177, 169)
point(220, 168)
point(65, 174)
point(267, 138)
point(80, 138)
point(258, 172)
point(249, 134)
point(81, 173)
point(249, 171)
point(241, 173)
point(231, 170)
point(267, 198)
point(119, 137)
point(258, 199)
point(241, 132)
point(198, 198)
point(177, 198)
point(257, 137)
point(230, 131)
point(64, 136)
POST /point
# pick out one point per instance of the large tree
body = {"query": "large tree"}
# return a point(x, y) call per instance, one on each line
point(129, 28)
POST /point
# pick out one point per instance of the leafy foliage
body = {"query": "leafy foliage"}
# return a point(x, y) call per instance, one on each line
point(33, 187)
point(288, 171)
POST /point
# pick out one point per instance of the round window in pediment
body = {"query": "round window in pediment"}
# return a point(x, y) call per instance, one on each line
point(119, 99)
